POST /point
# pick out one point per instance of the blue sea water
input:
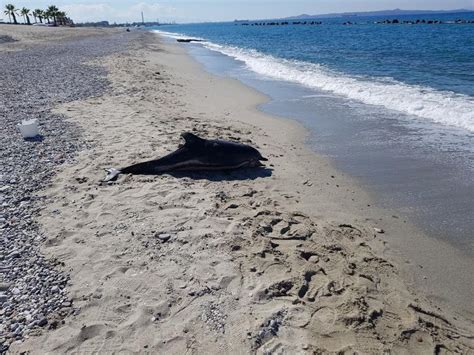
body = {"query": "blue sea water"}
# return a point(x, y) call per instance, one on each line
point(424, 70)
point(390, 104)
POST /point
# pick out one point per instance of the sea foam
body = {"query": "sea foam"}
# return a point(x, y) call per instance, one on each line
point(444, 107)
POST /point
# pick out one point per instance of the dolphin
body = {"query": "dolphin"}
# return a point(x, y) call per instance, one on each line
point(196, 154)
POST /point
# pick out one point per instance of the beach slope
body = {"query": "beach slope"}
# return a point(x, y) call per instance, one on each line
point(263, 260)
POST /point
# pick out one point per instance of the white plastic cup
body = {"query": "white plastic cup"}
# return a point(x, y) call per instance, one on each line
point(29, 128)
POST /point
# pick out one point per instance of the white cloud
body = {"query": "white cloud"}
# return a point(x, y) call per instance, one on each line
point(88, 12)
point(106, 12)
point(152, 11)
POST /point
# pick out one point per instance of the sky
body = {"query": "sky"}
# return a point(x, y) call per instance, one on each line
point(222, 10)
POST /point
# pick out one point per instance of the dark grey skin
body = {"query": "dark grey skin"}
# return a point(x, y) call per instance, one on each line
point(197, 154)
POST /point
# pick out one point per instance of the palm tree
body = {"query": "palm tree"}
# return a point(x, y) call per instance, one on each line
point(62, 18)
point(25, 12)
point(35, 15)
point(46, 15)
point(53, 13)
point(11, 11)
point(40, 14)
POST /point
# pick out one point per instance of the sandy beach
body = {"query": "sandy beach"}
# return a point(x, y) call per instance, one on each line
point(20, 37)
point(289, 258)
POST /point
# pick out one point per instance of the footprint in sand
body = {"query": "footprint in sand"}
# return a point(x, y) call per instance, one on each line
point(323, 320)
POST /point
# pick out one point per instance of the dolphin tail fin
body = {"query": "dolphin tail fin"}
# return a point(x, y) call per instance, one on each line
point(112, 174)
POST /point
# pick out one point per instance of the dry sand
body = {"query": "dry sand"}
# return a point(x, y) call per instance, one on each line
point(18, 37)
point(266, 260)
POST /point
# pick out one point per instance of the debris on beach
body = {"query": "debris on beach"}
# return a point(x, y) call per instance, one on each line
point(269, 329)
point(188, 40)
point(164, 237)
point(29, 128)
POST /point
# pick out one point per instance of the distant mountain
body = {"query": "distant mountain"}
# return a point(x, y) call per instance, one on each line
point(396, 12)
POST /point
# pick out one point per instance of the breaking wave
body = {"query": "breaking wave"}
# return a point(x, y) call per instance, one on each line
point(444, 107)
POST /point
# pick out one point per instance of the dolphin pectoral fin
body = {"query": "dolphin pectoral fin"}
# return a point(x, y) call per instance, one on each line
point(112, 174)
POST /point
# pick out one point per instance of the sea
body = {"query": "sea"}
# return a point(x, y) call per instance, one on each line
point(391, 105)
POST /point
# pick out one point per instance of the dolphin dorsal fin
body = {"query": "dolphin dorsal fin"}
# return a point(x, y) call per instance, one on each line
point(191, 139)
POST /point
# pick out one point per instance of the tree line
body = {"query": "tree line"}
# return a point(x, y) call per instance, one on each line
point(52, 15)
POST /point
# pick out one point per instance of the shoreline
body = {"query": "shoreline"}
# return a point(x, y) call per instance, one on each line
point(393, 156)
point(253, 262)
point(415, 252)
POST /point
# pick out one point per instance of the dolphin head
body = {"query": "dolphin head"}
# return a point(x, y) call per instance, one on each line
point(239, 154)
point(252, 155)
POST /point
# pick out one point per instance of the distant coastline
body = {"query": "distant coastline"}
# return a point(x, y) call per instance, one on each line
point(395, 12)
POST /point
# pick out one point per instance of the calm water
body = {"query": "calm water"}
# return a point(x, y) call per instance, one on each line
point(393, 105)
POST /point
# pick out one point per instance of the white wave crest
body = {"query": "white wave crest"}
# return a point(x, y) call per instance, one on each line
point(444, 107)
point(175, 35)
